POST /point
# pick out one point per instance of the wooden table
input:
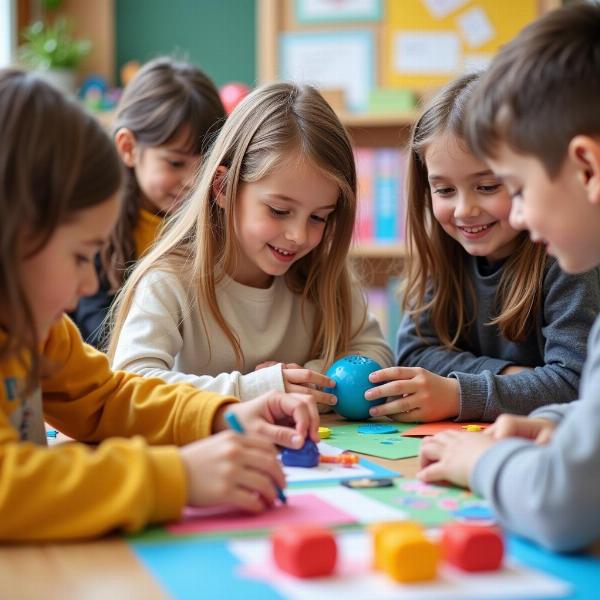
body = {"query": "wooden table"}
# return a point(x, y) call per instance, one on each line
point(105, 569)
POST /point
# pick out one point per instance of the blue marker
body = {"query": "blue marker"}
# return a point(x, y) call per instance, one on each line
point(237, 426)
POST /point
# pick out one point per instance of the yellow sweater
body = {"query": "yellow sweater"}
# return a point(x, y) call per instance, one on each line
point(146, 230)
point(73, 490)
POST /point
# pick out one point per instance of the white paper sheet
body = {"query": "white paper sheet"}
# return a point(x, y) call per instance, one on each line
point(355, 580)
point(442, 8)
point(475, 27)
point(426, 52)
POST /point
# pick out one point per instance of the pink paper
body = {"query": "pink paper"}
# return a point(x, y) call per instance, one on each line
point(437, 426)
point(300, 509)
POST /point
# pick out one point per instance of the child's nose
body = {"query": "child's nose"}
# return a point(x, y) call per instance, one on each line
point(466, 207)
point(296, 232)
point(89, 283)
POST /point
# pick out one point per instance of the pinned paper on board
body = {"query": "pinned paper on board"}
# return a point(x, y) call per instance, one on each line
point(476, 27)
point(338, 60)
point(427, 53)
point(442, 8)
point(429, 42)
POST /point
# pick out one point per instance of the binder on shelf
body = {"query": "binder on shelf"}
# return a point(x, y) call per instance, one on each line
point(363, 231)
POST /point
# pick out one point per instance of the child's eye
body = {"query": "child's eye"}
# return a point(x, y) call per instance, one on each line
point(278, 213)
point(318, 219)
point(81, 259)
point(444, 191)
point(490, 188)
point(176, 164)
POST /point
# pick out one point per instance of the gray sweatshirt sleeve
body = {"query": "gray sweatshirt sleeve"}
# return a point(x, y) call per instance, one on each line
point(570, 305)
point(550, 493)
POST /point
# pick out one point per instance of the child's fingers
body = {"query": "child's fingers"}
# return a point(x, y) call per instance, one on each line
point(266, 463)
point(246, 500)
point(544, 436)
point(317, 395)
point(259, 483)
point(306, 376)
point(392, 373)
point(394, 388)
point(265, 365)
point(399, 407)
point(433, 472)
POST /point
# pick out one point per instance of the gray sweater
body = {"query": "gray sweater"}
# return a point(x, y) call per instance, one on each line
point(555, 349)
point(552, 493)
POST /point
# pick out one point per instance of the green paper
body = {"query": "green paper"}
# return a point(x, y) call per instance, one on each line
point(384, 445)
point(430, 505)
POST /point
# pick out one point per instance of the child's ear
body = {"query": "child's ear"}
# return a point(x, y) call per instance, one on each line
point(584, 151)
point(126, 145)
point(218, 185)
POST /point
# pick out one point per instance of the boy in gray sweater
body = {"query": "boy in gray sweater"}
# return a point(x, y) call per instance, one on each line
point(535, 119)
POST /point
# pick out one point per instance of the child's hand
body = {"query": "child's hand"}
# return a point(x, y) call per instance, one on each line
point(538, 430)
point(234, 469)
point(451, 456)
point(514, 369)
point(415, 394)
point(282, 419)
point(265, 365)
point(305, 381)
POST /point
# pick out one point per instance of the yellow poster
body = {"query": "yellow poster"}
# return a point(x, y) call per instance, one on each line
point(429, 42)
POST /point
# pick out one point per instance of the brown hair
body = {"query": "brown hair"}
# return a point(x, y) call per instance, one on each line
point(436, 277)
point(263, 130)
point(55, 160)
point(542, 89)
point(163, 97)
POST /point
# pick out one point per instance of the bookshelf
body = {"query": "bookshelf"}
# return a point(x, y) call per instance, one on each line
point(376, 262)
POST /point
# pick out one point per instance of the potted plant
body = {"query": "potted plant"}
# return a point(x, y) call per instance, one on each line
point(52, 50)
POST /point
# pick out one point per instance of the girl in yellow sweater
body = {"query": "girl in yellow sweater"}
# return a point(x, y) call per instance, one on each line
point(60, 181)
point(164, 123)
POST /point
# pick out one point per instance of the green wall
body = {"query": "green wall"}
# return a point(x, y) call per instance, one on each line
point(216, 35)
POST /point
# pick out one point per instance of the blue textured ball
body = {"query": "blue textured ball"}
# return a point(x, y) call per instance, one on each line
point(351, 375)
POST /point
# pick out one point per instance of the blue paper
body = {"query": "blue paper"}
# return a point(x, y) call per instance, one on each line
point(581, 571)
point(191, 568)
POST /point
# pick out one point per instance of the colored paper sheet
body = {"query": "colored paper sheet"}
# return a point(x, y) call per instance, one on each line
point(431, 505)
point(192, 568)
point(582, 571)
point(384, 445)
point(432, 428)
point(355, 579)
point(300, 508)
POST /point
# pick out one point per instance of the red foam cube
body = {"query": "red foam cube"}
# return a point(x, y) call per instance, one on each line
point(472, 547)
point(307, 551)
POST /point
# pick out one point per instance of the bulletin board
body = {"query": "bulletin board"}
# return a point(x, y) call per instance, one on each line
point(428, 42)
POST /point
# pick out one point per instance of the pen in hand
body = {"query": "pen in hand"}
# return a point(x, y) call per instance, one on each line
point(233, 422)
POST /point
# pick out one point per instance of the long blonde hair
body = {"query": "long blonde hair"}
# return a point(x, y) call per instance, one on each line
point(435, 273)
point(199, 241)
